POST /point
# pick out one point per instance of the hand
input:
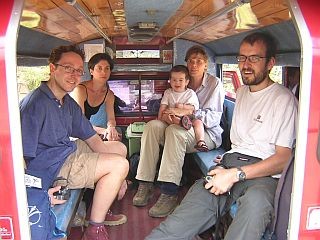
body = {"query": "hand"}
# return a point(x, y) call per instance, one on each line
point(179, 112)
point(167, 118)
point(222, 181)
point(122, 190)
point(112, 134)
point(218, 159)
point(169, 111)
point(171, 119)
point(52, 198)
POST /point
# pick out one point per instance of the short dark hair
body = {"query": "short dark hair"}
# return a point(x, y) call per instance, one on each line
point(57, 52)
point(266, 39)
point(95, 59)
point(196, 50)
point(182, 69)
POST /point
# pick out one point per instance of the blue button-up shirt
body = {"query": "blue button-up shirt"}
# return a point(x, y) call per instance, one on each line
point(47, 127)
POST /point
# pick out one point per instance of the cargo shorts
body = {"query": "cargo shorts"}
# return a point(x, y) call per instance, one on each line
point(79, 168)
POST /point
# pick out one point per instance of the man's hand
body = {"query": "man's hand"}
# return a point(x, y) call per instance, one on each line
point(52, 198)
point(222, 180)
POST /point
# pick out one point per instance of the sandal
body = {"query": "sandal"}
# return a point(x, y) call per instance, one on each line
point(186, 122)
point(201, 146)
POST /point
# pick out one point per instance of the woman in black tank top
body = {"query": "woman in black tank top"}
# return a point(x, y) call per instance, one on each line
point(91, 94)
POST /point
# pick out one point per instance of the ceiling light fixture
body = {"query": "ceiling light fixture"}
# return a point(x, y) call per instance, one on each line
point(89, 18)
point(224, 10)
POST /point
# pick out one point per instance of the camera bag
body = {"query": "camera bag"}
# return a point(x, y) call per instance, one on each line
point(236, 159)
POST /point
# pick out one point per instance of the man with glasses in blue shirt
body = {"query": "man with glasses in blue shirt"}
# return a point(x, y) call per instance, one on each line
point(49, 118)
point(263, 128)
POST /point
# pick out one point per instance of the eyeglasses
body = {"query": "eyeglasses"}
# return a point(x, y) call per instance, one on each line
point(196, 61)
point(251, 58)
point(69, 69)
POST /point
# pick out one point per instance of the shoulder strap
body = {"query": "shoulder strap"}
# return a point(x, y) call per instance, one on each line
point(105, 94)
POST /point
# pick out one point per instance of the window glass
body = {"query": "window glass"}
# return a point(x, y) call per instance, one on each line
point(128, 91)
point(231, 77)
point(138, 54)
point(30, 78)
point(276, 74)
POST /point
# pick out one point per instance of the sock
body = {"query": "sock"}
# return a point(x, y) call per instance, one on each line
point(169, 188)
point(95, 223)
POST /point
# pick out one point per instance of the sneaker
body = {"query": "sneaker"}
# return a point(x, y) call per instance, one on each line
point(164, 206)
point(143, 194)
point(112, 219)
point(93, 232)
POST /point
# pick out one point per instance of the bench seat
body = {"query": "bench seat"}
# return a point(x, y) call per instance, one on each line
point(65, 212)
point(206, 159)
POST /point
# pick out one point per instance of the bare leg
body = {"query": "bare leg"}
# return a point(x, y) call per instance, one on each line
point(198, 129)
point(199, 135)
point(115, 147)
point(111, 170)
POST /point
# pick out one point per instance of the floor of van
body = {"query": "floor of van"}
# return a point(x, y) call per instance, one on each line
point(139, 224)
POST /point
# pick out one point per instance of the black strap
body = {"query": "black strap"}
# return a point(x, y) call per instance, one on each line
point(217, 225)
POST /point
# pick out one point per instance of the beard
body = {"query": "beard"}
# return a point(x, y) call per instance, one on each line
point(258, 77)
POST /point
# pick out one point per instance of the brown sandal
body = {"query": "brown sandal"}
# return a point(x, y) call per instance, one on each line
point(201, 146)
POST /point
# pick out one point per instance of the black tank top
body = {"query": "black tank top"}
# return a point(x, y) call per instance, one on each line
point(89, 110)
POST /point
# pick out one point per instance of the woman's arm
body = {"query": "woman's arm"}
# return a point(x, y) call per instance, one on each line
point(79, 95)
point(111, 132)
point(178, 111)
point(110, 109)
point(161, 109)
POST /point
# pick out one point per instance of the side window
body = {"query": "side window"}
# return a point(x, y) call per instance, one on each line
point(231, 78)
point(292, 80)
point(30, 77)
point(276, 74)
point(138, 96)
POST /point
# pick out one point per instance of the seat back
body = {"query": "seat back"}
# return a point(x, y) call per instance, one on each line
point(282, 202)
point(225, 123)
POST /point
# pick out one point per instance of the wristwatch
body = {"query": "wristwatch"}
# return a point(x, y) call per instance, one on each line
point(241, 175)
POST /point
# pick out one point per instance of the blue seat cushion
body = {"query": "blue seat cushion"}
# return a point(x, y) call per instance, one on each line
point(206, 159)
point(65, 212)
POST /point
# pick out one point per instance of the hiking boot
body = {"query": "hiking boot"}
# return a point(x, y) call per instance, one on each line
point(143, 194)
point(164, 206)
point(112, 219)
point(95, 233)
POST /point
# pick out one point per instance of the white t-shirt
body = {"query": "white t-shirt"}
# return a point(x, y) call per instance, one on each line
point(170, 98)
point(262, 120)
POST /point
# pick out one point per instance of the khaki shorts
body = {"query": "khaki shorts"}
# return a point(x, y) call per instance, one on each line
point(79, 168)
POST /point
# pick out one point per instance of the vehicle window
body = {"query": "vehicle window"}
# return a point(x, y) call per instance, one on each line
point(138, 54)
point(30, 78)
point(231, 78)
point(138, 95)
